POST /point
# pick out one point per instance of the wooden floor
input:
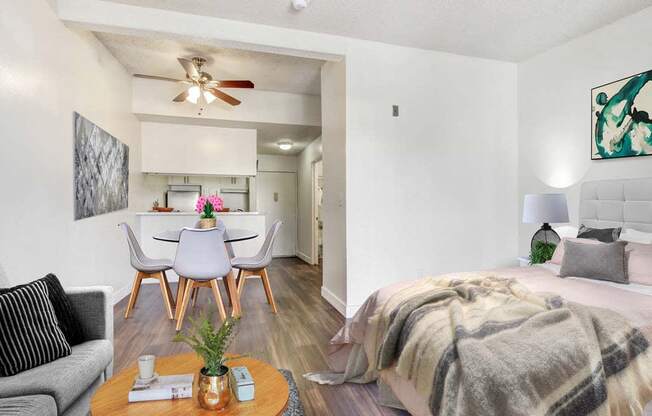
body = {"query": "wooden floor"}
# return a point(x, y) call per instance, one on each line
point(295, 339)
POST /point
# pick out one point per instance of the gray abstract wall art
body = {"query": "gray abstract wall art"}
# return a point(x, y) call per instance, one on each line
point(101, 170)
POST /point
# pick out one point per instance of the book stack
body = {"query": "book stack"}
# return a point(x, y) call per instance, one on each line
point(162, 388)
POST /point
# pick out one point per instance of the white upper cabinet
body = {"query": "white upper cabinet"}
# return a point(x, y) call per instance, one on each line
point(182, 149)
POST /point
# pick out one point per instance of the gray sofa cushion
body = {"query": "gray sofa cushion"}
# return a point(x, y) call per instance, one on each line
point(605, 261)
point(28, 406)
point(64, 379)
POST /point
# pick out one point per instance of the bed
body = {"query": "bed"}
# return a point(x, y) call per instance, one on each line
point(603, 204)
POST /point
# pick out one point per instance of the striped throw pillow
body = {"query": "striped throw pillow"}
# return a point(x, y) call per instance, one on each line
point(29, 333)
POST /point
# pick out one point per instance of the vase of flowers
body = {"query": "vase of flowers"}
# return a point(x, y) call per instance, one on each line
point(210, 344)
point(207, 206)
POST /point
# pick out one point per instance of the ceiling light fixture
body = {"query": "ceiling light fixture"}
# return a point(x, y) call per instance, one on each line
point(209, 97)
point(285, 145)
point(193, 94)
point(299, 4)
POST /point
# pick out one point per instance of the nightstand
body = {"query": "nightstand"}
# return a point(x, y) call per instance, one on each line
point(524, 261)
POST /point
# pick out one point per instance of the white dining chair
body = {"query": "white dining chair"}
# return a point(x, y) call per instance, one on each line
point(147, 268)
point(200, 261)
point(257, 265)
point(230, 252)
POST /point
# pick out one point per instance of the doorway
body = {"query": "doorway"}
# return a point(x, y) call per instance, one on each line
point(318, 221)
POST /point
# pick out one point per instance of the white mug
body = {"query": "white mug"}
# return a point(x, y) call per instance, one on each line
point(146, 366)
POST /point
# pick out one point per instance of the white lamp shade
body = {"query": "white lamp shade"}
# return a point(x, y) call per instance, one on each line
point(545, 208)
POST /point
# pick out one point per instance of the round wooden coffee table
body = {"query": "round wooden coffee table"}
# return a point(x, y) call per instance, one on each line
point(271, 391)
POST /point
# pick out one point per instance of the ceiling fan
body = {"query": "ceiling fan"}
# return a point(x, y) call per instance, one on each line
point(202, 86)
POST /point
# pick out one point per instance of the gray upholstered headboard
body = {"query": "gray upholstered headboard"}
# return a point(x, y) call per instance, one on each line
point(617, 203)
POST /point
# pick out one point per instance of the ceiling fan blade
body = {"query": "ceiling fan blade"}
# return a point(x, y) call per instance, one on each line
point(158, 78)
point(236, 84)
point(189, 67)
point(224, 96)
point(181, 97)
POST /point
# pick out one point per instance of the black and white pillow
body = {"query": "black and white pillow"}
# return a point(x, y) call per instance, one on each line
point(63, 310)
point(29, 333)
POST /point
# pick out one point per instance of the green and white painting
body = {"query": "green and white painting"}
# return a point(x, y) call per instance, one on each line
point(620, 118)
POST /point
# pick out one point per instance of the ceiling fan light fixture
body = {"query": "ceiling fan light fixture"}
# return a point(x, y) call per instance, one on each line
point(193, 94)
point(299, 4)
point(209, 97)
point(285, 145)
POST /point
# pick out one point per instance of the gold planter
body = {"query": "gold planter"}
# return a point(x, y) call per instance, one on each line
point(214, 392)
point(207, 223)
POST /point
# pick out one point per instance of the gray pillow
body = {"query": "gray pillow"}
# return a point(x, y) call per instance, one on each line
point(606, 235)
point(595, 261)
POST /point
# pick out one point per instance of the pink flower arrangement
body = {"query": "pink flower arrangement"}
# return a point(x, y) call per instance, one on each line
point(208, 205)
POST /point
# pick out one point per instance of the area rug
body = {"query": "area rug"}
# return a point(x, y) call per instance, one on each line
point(295, 408)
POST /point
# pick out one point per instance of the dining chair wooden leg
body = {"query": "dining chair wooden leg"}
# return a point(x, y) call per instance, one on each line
point(242, 278)
point(134, 293)
point(195, 293)
point(168, 290)
point(218, 299)
point(181, 288)
point(228, 293)
point(165, 293)
point(237, 279)
point(184, 303)
point(235, 298)
point(268, 289)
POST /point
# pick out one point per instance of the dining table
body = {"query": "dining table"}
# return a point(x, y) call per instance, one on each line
point(232, 235)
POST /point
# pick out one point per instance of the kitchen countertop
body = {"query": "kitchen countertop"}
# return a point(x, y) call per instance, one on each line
point(192, 213)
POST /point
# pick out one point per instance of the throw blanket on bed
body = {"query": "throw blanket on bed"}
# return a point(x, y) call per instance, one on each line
point(487, 346)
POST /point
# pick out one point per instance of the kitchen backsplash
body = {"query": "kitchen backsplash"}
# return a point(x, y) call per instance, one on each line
point(156, 186)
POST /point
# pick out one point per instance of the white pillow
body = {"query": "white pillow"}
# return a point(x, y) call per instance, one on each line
point(566, 231)
point(634, 236)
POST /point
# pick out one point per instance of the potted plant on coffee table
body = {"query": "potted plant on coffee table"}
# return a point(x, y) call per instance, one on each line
point(207, 206)
point(211, 343)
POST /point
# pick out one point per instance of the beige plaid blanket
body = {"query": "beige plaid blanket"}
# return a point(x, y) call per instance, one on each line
point(487, 346)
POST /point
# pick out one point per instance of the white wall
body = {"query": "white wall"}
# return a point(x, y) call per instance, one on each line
point(431, 191)
point(305, 159)
point(46, 72)
point(277, 163)
point(196, 150)
point(554, 92)
point(334, 203)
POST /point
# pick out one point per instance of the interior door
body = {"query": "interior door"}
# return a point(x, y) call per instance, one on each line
point(276, 194)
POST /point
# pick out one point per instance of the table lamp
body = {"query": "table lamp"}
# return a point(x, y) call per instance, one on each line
point(544, 209)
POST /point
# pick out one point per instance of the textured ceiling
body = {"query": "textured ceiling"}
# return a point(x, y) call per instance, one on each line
point(268, 71)
point(268, 134)
point(511, 30)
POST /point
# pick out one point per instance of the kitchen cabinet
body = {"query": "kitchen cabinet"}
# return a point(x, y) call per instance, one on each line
point(180, 149)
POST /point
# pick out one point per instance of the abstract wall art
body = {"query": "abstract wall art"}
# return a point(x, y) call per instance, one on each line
point(620, 118)
point(101, 170)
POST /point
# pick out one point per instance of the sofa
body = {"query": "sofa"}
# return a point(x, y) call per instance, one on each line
point(65, 386)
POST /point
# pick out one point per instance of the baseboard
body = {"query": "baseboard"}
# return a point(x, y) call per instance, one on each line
point(304, 257)
point(121, 293)
point(335, 301)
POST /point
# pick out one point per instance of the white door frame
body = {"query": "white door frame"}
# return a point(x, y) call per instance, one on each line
point(314, 255)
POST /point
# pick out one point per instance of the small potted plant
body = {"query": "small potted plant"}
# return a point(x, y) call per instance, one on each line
point(542, 252)
point(210, 344)
point(207, 206)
